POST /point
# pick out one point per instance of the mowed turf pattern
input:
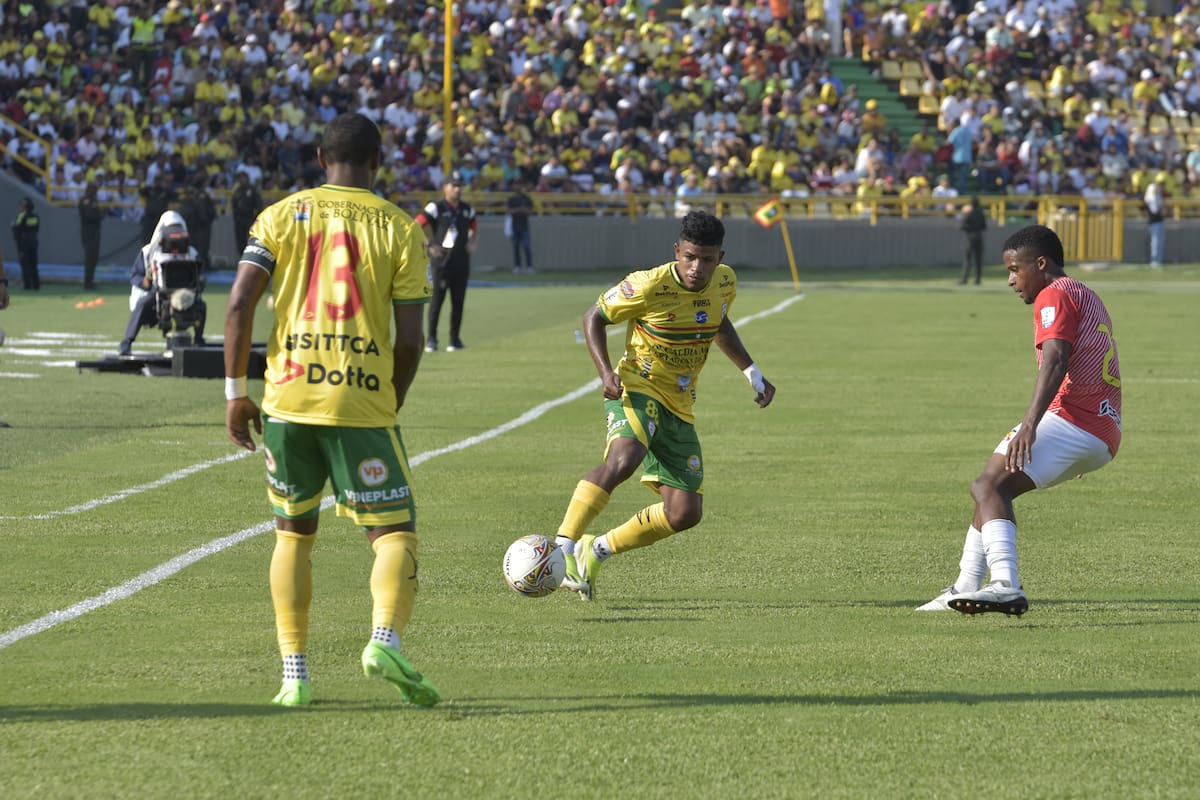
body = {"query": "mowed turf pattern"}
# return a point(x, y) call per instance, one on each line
point(772, 652)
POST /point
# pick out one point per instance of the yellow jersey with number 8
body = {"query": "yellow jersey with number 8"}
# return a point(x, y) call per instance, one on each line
point(670, 330)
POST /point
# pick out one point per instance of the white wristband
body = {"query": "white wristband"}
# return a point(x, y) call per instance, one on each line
point(755, 376)
point(235, 388)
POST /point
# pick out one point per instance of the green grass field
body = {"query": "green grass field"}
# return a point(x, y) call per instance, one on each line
point(772, 652)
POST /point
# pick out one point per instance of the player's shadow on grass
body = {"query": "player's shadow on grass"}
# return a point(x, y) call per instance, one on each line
point(520, 706)
point(648, 606)
point(107, 712)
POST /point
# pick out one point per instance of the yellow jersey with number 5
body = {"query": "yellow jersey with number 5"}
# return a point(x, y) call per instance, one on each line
point(670, 329)
point(339, 258)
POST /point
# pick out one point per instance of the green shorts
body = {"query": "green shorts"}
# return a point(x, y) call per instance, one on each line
point(672, 447)
point(368, 468)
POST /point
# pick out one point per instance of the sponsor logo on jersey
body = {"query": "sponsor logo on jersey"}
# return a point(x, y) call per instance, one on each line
point(303, 211)
point(627, 290)
point(703, 302)
point(377, 495)
point(332, 342)
point(1107, 410)
point(315, 374)
point(701, 317)
point(281, 489)
point(1047, 316)
point(372, 471)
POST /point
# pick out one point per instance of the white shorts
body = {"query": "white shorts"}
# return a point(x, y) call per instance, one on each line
point(1061, 451)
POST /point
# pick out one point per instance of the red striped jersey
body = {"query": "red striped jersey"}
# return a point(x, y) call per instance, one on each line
point(670, 329)
point(1090, 395)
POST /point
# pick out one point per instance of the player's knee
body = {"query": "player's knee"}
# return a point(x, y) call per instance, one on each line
point(680, 519)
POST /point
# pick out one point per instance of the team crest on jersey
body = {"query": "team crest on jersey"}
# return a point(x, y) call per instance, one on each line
point(627, 290)
point(1047, 316)
point(270, 459)
point(702, 317)
point(694, 463)
point(684, 382)
point(303, 212)
point(372, 471)
point(651, 428)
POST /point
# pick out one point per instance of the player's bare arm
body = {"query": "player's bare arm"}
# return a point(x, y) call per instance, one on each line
point(594, 325)
point(410, 344)
point(1055, 355)
point(730, 344)
point(241, 412)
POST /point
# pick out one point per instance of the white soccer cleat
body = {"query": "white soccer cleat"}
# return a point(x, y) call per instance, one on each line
point(997, 596)
point(940, 603)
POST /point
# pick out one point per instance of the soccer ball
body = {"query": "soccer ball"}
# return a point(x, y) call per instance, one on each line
point(534, 566)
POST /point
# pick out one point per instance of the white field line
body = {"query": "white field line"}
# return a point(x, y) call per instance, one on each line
point(167, 569)
point(145, 487)
point(19, 375)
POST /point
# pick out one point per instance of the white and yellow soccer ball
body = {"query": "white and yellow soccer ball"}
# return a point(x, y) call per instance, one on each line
point(534, 566)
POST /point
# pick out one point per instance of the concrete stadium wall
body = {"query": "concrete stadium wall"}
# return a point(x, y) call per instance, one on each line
point(564, 243)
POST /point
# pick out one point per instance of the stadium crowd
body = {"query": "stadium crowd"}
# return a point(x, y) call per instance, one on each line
point(611, 96)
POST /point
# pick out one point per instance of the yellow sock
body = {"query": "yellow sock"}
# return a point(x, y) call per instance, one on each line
point(642, 529)
point(586, 504)
point(394, 580)
point(291, 590)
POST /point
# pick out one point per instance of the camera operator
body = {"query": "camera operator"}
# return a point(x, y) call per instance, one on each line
point(169, 243)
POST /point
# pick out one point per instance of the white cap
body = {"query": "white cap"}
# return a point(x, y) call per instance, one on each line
point(1147, 74)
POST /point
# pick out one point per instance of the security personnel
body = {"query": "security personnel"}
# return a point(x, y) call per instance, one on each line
point(245, 202)
point(91, 216)
point(25, 232)
point(451, 229)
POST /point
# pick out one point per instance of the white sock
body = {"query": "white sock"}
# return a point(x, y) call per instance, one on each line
point(601, 549)
point(973, 566)
point(1000, 545)
point(567, 544)
point(387, 637)
point(295, 667)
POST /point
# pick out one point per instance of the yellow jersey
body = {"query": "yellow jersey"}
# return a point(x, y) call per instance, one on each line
point(333, 253)
point(670, 329)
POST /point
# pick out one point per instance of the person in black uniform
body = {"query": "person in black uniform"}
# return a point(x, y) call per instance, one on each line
point(91, 216)
point(156, 198)
point(25, 232)
point(451, 229)
point(974, 223)
point(245, 202)
point(199, 211)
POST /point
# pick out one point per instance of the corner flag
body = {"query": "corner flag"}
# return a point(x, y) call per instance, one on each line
point(769, 213)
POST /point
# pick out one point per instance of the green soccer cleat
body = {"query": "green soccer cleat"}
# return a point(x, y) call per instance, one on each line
point(588, 565)
point(294, 693)
point(380, 661)
point(571, 579)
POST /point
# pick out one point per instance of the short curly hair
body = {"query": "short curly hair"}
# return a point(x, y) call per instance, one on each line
point(1039, 240)
point(702, 228)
